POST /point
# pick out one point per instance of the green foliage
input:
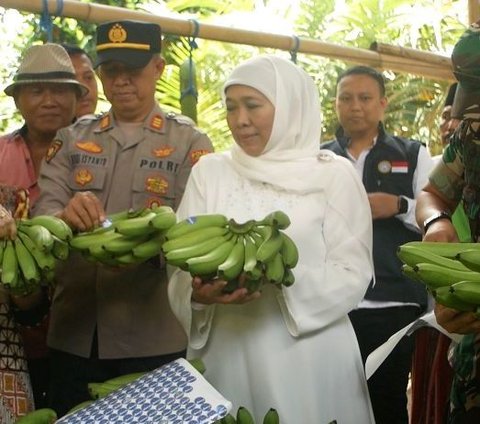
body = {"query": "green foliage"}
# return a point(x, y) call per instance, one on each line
point(414, 102)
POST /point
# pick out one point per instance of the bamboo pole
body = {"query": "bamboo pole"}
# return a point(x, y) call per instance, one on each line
point(97, 13)
point(473, 11)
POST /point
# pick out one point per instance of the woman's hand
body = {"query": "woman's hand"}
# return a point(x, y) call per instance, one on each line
point(210, 292)
point(455, 321)
point(8, 229)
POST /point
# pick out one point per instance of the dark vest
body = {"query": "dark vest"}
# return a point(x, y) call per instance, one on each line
point(389, 168)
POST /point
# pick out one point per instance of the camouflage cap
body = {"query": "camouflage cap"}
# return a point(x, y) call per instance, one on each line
point(466, 68)
point(132, 42)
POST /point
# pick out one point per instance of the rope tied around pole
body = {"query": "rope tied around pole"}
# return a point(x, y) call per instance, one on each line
point(294, 51)
point(192, 43)
point(46, 23)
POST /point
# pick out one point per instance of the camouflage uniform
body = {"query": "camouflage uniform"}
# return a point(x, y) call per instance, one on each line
point(458, 177)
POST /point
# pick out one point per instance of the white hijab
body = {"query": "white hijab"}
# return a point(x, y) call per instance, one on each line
point(291, 152)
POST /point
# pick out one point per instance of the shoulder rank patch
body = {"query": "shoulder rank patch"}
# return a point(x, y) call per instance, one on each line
point(163, 152)
point(105, 122)
point(156, 122)
point(53, 150)
point(157, 185)
point(197, 154)
point(89, 146)
point(83, 177)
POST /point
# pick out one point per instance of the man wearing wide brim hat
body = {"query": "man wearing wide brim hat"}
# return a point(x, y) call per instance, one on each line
point(47, 63)
point(455, 181)
point(45, 91)
point(105, 323)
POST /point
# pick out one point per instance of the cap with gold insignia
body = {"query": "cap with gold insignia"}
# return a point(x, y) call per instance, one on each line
point(130, 42)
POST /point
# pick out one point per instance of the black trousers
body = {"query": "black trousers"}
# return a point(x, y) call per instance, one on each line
point(70, 375)
point(388, 385)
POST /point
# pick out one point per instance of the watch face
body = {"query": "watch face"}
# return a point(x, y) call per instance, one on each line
point(403, 205)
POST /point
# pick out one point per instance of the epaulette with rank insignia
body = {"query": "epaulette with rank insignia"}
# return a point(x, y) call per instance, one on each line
point(181, 119)
point(86, 119)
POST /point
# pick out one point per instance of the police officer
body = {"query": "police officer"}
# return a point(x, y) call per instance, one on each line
point(393, 170)
point(107, 322)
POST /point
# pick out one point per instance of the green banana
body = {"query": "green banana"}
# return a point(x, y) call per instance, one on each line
point(271, 417)
point(412, 255)
point(188, 90)
point(136, 226)
point(125, 379)
point(194, 223)
point(2, 247)
point(470, 258)
point(274, 269)
point(45, 260)
point(231, 267)
point(61, 249)
point(123, 244)
point(193, 238)
point(39, 235)
point(149, 248)
point(447, 297)
point(178, 257)
point(100, 390)
point(58, 227)
point(9, 265)
point(85, 241)
point(272, 243)
point(242, 228)
point(209, 262)
point(277, 219)
point(449, 250)
point(250, 254)
point(467, 291)
point(163, 220)
point(253, 285)
point(81, 405)
point(228, 419)
point(256, 272)
point(410, 273)
point(288, 278)
point(289, 251)
point(39, 416)
point(126, 259)
point(244, 416)
point(436, 276)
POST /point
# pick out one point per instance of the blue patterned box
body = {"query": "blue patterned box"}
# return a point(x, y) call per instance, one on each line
point(175, 393)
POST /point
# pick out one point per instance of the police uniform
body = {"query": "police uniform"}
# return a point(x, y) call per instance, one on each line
point(129, 308)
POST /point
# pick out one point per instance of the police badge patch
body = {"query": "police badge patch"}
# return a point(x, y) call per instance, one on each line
point(53, 150)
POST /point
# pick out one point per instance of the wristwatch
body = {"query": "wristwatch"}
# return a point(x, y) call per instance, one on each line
point(435, 217)
point(402, 205)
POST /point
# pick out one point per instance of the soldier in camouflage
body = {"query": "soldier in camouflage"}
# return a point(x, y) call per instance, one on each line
point(456, 181)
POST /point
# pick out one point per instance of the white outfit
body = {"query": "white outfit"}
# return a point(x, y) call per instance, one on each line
point(294, 348)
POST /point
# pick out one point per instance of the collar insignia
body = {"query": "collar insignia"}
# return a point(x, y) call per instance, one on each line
point(156, 122)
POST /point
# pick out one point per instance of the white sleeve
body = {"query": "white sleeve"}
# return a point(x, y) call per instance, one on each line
point(425, 164)
point(335, 272)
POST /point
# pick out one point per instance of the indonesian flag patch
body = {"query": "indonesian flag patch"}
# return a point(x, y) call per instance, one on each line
point(400, 167)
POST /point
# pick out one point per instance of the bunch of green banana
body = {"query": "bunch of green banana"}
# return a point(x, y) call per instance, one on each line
point(250, 253)
point(451, 271)
point(244, 416)
point(40, 416)
point(128, 237)
point(29, 260)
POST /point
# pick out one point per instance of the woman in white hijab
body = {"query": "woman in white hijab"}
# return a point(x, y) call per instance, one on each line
point(292, 349)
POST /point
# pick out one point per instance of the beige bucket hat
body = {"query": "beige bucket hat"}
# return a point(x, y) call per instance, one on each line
point(45, 63)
